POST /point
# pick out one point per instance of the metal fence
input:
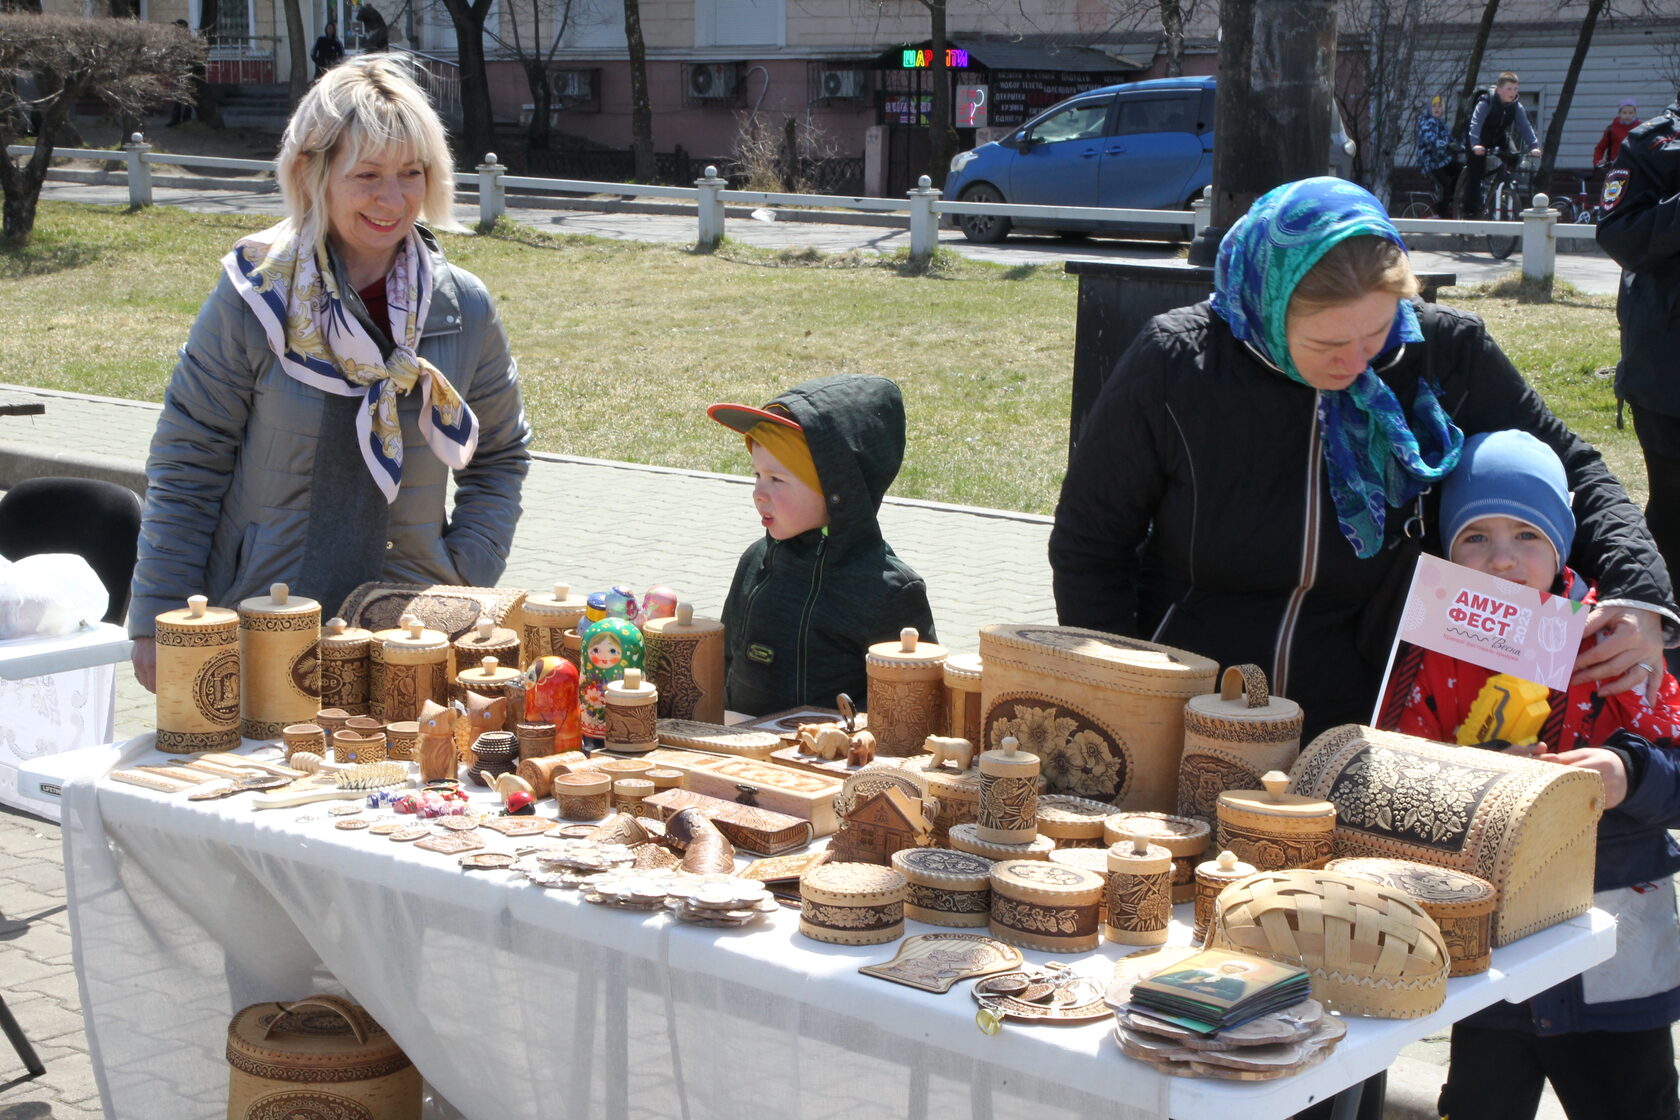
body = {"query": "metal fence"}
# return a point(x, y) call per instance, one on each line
point(1538, 226)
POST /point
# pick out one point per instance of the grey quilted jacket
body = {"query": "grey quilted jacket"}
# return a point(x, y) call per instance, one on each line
point(235, 500)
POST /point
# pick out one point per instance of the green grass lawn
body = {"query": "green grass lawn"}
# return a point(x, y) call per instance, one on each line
point(621, 345)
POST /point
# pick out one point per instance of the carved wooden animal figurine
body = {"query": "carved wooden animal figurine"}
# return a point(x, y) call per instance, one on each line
point(437, 753)
point(481, 714)
point(946, 749)
point(863, 750)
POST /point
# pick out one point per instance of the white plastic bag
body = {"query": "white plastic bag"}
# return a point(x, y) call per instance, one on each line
point(53, 593)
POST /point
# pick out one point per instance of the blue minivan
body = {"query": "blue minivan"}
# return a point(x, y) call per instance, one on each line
point(1139, 145)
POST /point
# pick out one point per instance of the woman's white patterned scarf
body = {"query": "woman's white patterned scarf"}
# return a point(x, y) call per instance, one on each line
point(322, 344)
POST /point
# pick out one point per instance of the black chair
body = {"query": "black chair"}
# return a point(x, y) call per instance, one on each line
point(98, 521)
point(14, 1035)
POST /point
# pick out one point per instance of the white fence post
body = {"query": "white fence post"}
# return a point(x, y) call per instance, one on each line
point(711, 209)
point(139, 171)
point(1539, 241)
point(492, 198)
point(924, 223)
point(1202, 208)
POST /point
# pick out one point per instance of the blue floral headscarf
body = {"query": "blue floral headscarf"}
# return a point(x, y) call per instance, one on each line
point(1374, 456)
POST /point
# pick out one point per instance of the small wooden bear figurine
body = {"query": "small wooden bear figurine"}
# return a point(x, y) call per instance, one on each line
point(946, 749)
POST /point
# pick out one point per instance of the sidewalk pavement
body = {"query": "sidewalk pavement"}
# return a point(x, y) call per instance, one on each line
point(981, 566)
point(1590, 272)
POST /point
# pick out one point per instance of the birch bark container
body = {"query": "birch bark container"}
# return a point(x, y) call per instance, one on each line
point(545, 620)
point(852, 904)
point(319, 1057)
point(493, 678)
point(1185, 838)
point(1232, 737)
point(1211, 878)
point(488, 640)
point(1275, 830)
point(279, 662)
point(376, 669)
point(946, 888)
point(402, 739)
point(906, 693)
point(344, 666)
point(416, 670)
point(198, 678)
point(582, 795)
point(1139, 906)
point(1037, 904)
point(685, 662)
point(962, 697)
point(1462, 905)
point(1008, 812)
point(632, 714)
point(536, 738)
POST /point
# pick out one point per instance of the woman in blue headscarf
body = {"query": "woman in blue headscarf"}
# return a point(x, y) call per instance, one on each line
point(1256, 476)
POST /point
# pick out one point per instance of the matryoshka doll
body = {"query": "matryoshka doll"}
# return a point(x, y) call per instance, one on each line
point(659, 602)
point(621, 603)
point(551, 696)
point(610, 646)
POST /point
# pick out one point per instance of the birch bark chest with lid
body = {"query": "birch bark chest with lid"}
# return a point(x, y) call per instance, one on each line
point(319, 1057)
point(1232, 737)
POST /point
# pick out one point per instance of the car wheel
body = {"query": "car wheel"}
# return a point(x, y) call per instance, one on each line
point(985, 229)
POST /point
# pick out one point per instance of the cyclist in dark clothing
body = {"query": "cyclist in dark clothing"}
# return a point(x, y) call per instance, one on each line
point(1498, 119)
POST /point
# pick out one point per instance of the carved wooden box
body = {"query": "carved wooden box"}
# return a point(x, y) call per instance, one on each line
point(761, 831)
point(798, 793)
point(1528, 827)
point(1104, 713)
point(852, 904)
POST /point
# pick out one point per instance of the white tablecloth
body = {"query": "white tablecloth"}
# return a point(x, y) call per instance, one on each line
point(516, 1002)
point(56, 694)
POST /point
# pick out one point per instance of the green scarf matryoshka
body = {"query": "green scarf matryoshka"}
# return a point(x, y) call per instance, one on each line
point(609, 647)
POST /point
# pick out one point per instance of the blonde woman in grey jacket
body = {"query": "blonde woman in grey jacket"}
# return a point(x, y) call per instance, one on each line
point(338, 374)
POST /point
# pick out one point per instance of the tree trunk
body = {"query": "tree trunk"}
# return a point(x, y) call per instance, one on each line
point(641, 106)
point(1478, 47)
point(22, 185)
point(478, 122)
point(300, 52)
point(1172, 26)
point(542, 103)
point(1554, 128)
point(942, 138)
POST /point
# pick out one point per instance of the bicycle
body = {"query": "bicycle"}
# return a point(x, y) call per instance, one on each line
point(1419, 204)
point(1502, 202)
point(1582, 207)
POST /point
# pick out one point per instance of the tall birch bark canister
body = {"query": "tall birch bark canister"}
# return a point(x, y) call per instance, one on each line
point(685, 662)
point(1008, 795)
point(906, 693)
point(962, 697)
point(632, 714)
point(544, 621)
point(1104, 713)
point(1139, 900)
point(344, 666)
point(1232, 738)
point(376, 670)
point(279, 662)
point(319, 1057)
point(416, 670)
point(197, 678)
point(486, 639)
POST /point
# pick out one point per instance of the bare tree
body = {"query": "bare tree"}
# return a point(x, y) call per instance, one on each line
point(299, 84)
point(535, 30)
point(641, 105)
point(1473, 67)
point(129, 65)
point(1566, 95)
point(478, 122)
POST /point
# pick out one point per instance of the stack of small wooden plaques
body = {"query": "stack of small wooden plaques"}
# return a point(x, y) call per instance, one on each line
point(1262, 1049)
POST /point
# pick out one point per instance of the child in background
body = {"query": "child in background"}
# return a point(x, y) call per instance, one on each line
point(1610, 144)
point(821, 586)
point(1601, 1038)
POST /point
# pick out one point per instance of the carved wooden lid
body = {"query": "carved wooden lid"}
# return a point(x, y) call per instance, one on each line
point(581, 783)
point(1300, 812)
point(1039, 880)
point(1182, 836)
point(908, 653)
point(632, 787)
point(487, 635)
point(1087, 859)
point(684, 623)
point(415, 638)
point(315, 1040)
point(1137, 856)
point(625, 767)
point(558, 607)
point(962, 671)
point(340, 635)
point(1225, 867)
point(1008, 760)
point(489, 672)
point(1245, 698)
point(278, 603)
point(198, 615)
point(852, 884)
point(1065, 817)
point(1098, 657)
point(1440, 890)
point(632, 690)
point(940, 867)
point(965, 837)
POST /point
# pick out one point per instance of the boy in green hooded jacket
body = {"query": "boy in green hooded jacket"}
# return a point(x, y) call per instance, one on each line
point(821, 586)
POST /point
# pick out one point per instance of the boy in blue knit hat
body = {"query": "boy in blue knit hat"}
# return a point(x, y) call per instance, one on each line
point(1602, 1038)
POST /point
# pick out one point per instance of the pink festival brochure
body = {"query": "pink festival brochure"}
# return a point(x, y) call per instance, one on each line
point(1501, 626)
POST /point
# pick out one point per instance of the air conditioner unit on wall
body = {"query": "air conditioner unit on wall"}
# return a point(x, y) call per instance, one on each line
point(712, 81)
point(842, 85)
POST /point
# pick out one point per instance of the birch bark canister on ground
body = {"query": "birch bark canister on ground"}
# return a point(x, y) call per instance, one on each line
point(197, 678)
point(416, 670)
point(279, 662)
point(486, 639)
point(632, 714)
point(545, 618)
point(344, 666)
point(906, 693)
point(685, 662)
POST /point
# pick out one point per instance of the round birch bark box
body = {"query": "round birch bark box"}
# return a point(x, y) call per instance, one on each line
point(582, 795)
point(1073, 822)
point(198, 678)
point(1037, 904)
point(946, 888)
point(279, 662)
point(486, 639)
point(906, 693)
point(1461, 904)
point(1232, 738)
point(318, 1057)
point(852, 904)
point(344, 666)
point(1274, 829)
point(545, 618)
point(1186, 838)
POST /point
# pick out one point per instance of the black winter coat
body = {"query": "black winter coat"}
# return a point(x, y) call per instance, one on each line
point(1196, 510)
point(802, 613)
point(1641, 232)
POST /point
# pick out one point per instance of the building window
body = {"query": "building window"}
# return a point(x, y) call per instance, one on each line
point(740, 23)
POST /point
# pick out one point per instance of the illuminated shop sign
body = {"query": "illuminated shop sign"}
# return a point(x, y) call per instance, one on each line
point(955, 59)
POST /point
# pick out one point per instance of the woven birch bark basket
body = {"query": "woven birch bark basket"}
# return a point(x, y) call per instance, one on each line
point(1528, 827)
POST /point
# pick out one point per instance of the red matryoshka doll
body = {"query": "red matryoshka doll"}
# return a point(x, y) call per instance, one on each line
point(659, 602)
point(551, 696)
point(610, 646)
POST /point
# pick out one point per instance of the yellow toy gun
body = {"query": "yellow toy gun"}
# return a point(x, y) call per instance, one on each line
point(1508, 708)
